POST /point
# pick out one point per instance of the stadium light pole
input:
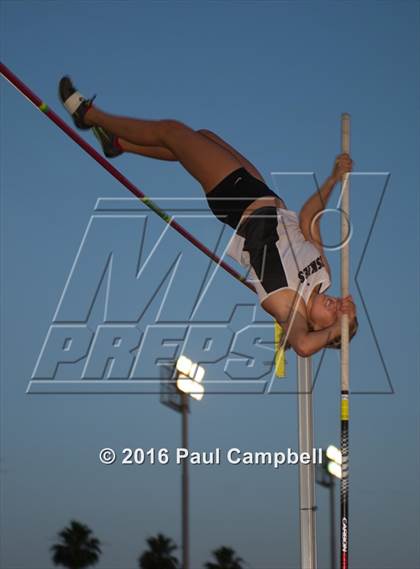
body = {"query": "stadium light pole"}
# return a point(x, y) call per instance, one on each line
point(185, 381)
point(327, 472)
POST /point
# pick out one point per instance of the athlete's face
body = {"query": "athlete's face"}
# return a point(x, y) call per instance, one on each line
point(324, 310)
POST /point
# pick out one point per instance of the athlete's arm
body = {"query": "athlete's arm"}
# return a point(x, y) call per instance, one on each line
point(305, 342)
point(310, 214)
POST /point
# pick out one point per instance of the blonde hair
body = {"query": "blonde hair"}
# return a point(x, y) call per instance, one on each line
point(336, 343)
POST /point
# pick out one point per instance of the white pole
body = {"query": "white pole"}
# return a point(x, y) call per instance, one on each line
point(308, 559)
point(345, 392)
point(345, 269)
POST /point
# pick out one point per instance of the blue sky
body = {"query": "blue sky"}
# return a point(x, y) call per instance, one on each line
point(272, 78)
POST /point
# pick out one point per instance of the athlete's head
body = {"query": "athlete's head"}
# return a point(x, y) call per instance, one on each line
point(325, 310)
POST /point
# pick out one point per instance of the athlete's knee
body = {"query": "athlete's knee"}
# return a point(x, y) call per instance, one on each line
point(170, 127)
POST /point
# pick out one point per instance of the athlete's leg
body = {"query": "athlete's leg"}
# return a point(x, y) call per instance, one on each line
point(203, 158)
point(158, 152)
point(243, 161)
point(165, 154)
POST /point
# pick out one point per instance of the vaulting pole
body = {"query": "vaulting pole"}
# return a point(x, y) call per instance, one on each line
point(345, 234)
point(35, 100)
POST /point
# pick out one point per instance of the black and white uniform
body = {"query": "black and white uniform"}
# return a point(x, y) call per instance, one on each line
point(269, 243)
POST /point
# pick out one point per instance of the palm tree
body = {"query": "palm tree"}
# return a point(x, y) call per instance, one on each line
point(159, 555)
point(226, 558)
point(77, 547)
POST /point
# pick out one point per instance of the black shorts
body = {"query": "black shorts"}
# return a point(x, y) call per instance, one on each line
point(260, 231)
point(231, 197)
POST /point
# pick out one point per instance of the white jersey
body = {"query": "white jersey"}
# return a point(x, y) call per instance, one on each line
point(277, 255)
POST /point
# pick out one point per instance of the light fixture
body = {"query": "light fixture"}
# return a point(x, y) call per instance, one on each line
point(335, 461)
point(334, 469)
point(334, 454)
point(192, 370)
point(184, 365)
point(189, 378)
point(197, 373)
point(190, 387)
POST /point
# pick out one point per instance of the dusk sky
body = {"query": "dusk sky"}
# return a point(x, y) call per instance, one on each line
point(272, 78)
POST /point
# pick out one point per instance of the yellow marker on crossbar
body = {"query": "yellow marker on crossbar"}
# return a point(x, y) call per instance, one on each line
point(279, 358)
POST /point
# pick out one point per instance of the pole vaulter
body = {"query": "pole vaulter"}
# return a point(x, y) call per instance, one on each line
point(279, 361)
